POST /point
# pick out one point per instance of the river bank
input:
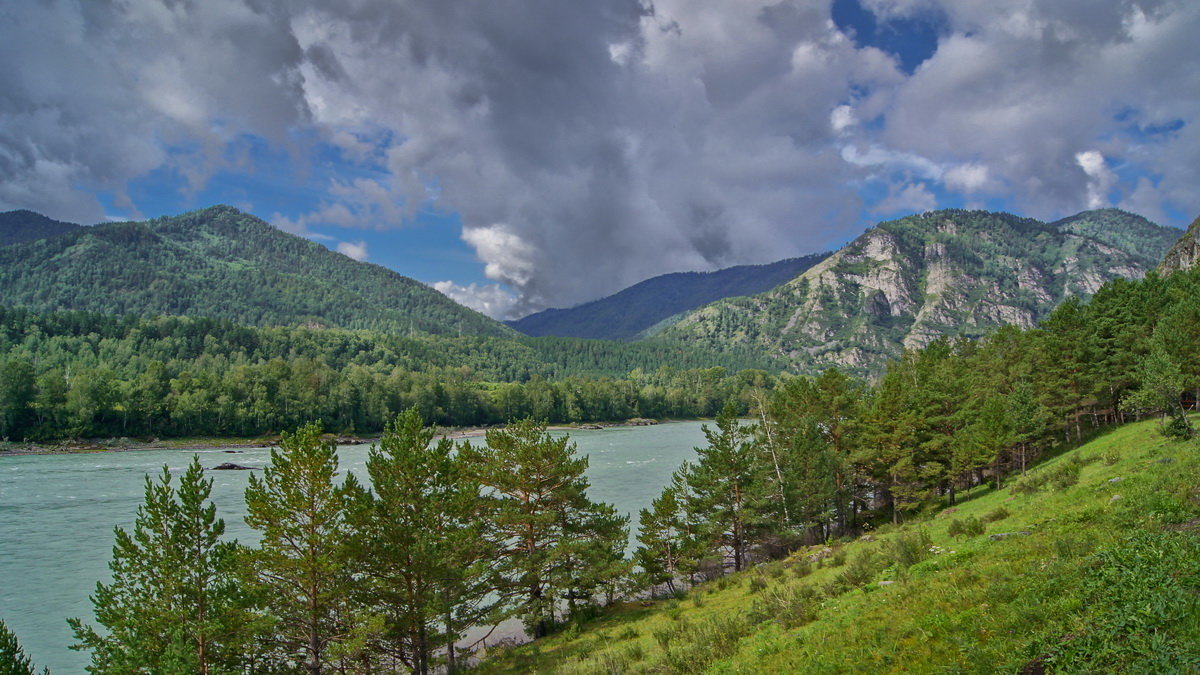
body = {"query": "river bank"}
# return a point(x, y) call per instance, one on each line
point(92, 445)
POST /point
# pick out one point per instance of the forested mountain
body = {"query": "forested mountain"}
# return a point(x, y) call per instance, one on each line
point(22, 225)
point(223, 263)
point(628, 314)
point(908, 282)
point(1185, 254)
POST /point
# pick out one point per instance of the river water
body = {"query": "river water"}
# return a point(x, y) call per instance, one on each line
point(57, 514)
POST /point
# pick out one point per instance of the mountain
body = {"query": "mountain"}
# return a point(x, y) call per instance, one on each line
point(907, 282)
point(22, 225)
point(223, 263)
point(628, 314)
point(1185, 253)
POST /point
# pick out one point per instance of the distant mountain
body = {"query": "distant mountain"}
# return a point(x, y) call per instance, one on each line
point(907, 282)
point(22, 225)
point(1185, 253)
point(629, 314)
point(223, 263)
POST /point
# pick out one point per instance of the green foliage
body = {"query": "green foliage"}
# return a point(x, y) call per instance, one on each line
point(301, 570)
point(1140, 592)
point(420, 544)
point(94, 375)
point(967, 527)
point(13, 660)
point(174, 603)
point(555, 543)
point(997, 514)
point(693, 647)
point(21, 225)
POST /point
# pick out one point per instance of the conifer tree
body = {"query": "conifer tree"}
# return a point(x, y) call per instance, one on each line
point(173, 604)
point(729, 490)
point(420, 544)
point(539, 506)
point(13, 660)
point(300, 567)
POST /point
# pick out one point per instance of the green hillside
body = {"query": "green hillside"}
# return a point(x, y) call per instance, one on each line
point(907, 282)
point(222, 263)
point(630, 313)
point(1097, 570)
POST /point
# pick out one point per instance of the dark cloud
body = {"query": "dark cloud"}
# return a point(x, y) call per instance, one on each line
point(590, 145)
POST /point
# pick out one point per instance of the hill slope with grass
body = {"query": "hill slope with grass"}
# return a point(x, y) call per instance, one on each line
point(1088, 563)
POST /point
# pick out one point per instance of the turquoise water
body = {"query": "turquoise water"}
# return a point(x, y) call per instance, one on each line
point(57, 514)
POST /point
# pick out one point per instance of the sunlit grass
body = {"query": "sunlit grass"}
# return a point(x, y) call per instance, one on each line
point(916, 599)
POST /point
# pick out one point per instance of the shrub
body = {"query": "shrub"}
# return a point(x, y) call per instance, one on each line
point(757, 583)
point(999, 513)
point(697, 646)
point(863, 568)
point(967, 527)
point(791, 607)
point(802, 568)
point(910, 548)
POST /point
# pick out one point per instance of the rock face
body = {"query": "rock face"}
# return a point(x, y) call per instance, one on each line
point(1185, 254)
point(906, 283)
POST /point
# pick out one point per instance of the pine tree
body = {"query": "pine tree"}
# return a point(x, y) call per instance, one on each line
point(729, 489)
point(173, 604)
point(420, 545)
point(13, 660)
point(300, 567)
point(539, 506)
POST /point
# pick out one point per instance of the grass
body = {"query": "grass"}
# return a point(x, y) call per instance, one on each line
point(1107, 579)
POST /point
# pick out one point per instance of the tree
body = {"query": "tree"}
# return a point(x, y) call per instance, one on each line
point(301, 566)
point(13, 660)
point(729, 495)
point(16, 394)
point(173, 604)
point(420, 543)
point(537, 499)
point(1162, 382)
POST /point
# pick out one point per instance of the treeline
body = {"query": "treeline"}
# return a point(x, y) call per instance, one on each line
point(347, 578)
point(92, 375)
point(830, 454)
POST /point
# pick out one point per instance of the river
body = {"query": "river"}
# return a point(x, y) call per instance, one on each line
point(57, 514)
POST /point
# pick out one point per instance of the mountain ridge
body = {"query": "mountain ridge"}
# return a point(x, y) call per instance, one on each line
point(23, 225)
point(907, 282)
point(630, 313)
point(226, 264)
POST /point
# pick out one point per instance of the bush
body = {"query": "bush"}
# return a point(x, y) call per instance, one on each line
point(863, 568)
point(999, 513)
point(967, 527)
point(697, 646)
point(910, 548)
point(791, 607)
point(802, 568)
point(757, 583)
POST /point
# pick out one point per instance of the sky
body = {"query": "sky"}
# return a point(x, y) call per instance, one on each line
point(524, 154)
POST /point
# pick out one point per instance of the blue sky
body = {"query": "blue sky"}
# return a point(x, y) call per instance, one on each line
point(540, 154)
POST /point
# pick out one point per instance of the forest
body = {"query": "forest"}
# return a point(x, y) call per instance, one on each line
point(350, 578)
point(81, 374)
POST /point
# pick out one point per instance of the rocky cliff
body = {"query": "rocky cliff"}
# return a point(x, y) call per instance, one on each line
point(907, 282)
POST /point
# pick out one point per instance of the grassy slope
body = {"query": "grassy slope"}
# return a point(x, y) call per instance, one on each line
point(1102, 582)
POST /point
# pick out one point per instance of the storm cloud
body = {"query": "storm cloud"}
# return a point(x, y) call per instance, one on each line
point(590, 145)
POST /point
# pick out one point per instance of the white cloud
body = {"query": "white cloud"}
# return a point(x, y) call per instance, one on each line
point(614, 140)
point(353, 249)
point(489, 299)
point(1100, 178)
point(905, 198)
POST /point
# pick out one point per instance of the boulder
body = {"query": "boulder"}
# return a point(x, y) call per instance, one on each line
point(230, 466)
